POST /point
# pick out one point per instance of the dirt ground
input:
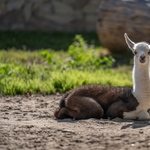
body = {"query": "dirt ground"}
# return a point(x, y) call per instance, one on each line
point(28, 123)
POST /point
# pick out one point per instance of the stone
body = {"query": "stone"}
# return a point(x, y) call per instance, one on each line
point(78, 15)
point(90, 27)
point(62, 15)
point(60, 19)
point(14, 5)
point(10, 18)
point(19, 26)
point(79, 4)
point(2, 8)
point(4, 27)
point(123, 16)
point(27, 11)
point(91, 18)
point(45, 8)
point(92, 6)
point(61, 8)
point(3, 0)
point(37, 3)
point(70, 1)
point(76, 25)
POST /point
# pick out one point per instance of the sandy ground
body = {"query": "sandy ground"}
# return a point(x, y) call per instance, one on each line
point(28, 123)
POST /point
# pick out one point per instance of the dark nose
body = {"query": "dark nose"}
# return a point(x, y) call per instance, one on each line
point(142, 57)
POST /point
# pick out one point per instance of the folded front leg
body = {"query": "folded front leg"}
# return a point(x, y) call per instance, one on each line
point(143, 115)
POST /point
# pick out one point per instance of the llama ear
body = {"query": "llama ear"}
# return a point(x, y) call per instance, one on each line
point(129, 42)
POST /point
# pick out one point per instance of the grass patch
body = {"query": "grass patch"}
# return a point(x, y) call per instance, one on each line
point(42, 78)
point(61, 81)
point(48, 71)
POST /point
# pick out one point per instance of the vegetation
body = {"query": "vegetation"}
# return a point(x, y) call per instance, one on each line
point(35, 40)
point(47, 71)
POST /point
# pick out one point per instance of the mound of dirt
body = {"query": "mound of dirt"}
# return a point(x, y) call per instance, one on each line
point(28, 123)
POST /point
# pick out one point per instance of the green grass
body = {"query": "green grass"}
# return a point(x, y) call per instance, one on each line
point(62, 81)
point(22, 71)
point(44, 71)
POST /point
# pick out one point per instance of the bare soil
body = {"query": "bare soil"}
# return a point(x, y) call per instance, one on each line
point(28, 123)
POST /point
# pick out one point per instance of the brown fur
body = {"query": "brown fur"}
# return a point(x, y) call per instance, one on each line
point(96, 101)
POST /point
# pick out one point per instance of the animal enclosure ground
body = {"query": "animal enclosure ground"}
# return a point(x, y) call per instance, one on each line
point(28, 123)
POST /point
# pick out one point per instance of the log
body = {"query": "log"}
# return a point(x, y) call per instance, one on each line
point(123, 16)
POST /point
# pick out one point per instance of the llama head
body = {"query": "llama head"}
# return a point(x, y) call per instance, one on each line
point(141, 50)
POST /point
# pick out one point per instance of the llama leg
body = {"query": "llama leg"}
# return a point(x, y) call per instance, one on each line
point(57, 113)
point(148, 111)
point(64, 112)
point(115, 110)
point(84, 107)
point(80, 108)
point(143, 115)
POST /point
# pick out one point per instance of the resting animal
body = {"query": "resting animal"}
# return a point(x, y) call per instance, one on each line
point(97, 101)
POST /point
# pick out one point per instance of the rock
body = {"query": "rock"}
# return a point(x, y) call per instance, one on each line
point(12, 18)
point(78, 15)
point(61, 8)
point(27, 11)
point(2, 8)
point(91, 19)
point(60, 19)
point(4, 27)
point(14, 5)
point(61, 15)
point(4, 0)
point(120, 16)
point(19, 26)
point(45, 8)
point(90, 7)
point(45, 11)
point(89, 27)
point(70, 1)
point(79, 4)
point(37, 3)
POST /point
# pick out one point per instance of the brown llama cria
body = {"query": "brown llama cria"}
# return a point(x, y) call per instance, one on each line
point(96, 101)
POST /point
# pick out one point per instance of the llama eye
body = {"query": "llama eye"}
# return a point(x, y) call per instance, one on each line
point(149, 53)
point(135, 53)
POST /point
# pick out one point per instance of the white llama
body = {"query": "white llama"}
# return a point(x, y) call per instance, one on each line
point(141, 79)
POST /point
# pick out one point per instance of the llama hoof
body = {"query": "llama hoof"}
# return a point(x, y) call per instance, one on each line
point(143, 115)
point(148, 111)
point(56, 112)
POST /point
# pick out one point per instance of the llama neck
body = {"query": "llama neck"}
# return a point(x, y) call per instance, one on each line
point(141, 80)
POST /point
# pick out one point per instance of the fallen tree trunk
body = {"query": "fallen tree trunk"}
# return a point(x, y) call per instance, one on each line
point(123, 16)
